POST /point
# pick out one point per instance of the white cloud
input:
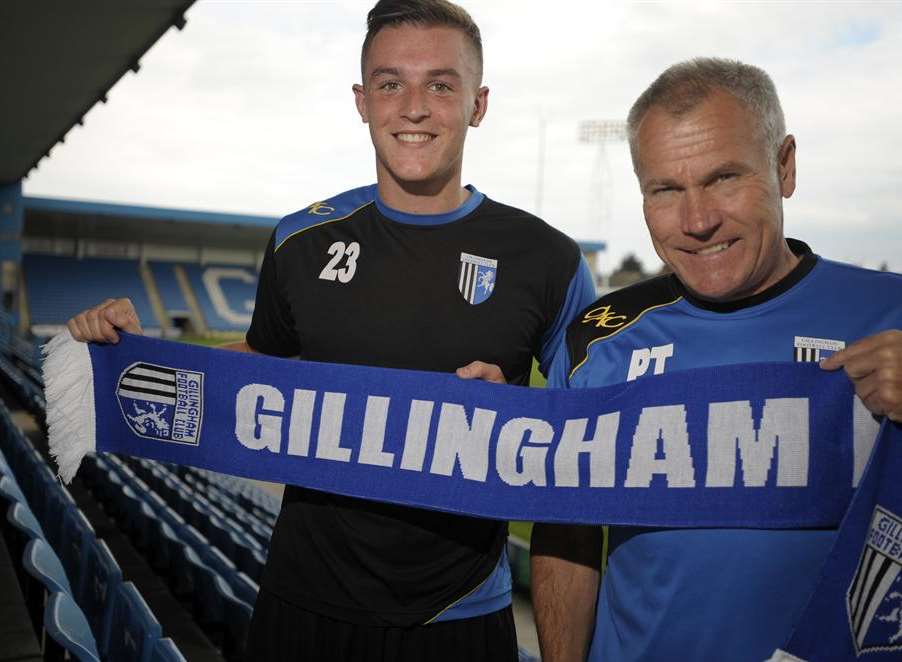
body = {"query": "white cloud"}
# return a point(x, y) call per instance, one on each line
point(250, 110)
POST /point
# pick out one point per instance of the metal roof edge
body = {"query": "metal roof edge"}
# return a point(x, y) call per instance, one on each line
point(90, 208)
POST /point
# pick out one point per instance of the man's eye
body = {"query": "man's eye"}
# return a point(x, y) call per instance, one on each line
point(662, 189)
point(724, 176)
point(439, 87)
point(390, 85)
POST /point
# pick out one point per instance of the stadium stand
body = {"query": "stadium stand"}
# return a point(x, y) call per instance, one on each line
point(225, 294)
point(83, 544)
point(88, 281)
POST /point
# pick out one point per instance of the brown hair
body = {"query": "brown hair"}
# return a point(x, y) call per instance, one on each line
point(427, 13)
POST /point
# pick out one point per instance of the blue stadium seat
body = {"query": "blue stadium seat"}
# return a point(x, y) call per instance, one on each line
point(38, 489)
point(251, 560)
point(185, 566)
point(69, 631)
point(22, 528)
point(245, 588)
point(214, 558)
point(165, 650)
point(108, 486)
point(143, 525)
point(134, 629)
point(162, 539)
point(76, 537)
point(5, 469)
point(236, 615)
point(89, 282)
point(58, 503)
point(101, 581)
point(171, 294)
point(45, 576)
point(10, 492)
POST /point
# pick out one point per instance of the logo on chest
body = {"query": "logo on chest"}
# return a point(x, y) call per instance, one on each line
point(477, 278)
point(812, 350)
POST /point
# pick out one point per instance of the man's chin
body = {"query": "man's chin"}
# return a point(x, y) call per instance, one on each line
point(713, 292)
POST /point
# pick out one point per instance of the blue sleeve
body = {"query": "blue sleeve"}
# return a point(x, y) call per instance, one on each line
point(559, 372)
point(580, 293)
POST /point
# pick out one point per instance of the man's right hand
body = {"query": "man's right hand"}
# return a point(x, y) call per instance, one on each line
point(100, 323)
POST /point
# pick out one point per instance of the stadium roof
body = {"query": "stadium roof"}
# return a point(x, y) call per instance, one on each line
point(56, 217)
point(58, 59)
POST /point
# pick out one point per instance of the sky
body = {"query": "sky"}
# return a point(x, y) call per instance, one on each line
point(249, 110)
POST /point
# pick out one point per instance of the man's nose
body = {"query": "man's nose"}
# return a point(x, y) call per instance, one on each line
point(416, 106)
point(700, 217)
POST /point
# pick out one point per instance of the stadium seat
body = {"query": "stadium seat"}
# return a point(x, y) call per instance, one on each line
point(10, 492)
point(68, 630)
point(236, 620)
point(76, 537)
point(23, 527)
point(57, 503)
point(37, 487)
point(5, 469)
point(101, 581)
point(162, 539)
point(165, 650)
point(143, 525)
point(245, 588)
point(214, 558)
point(134, 629)
point(45, 575)
point(185, 564)
point(171, 295)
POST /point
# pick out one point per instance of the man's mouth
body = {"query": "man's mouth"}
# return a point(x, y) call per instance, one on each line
point(714, 248)
point(414, 138)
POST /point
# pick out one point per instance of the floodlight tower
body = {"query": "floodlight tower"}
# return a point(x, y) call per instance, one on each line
point(601, 133)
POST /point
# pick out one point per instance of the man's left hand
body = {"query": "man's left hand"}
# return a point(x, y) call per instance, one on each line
point(487, 372)
point(874, 364)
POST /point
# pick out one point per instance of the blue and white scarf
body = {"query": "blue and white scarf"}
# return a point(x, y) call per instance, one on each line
point(731, 446)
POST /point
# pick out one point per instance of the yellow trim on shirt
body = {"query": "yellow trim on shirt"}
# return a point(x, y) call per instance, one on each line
point(622, 328)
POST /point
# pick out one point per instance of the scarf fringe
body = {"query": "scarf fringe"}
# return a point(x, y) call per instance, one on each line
point(69, 387)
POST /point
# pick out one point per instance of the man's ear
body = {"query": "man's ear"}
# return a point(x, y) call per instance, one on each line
point(480, 106)
point(786, 166)
point(360, 100)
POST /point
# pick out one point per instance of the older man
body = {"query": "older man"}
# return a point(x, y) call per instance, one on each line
point(714, 163)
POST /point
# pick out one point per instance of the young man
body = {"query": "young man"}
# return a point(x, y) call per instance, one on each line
point(416, 272)
point(714, 162)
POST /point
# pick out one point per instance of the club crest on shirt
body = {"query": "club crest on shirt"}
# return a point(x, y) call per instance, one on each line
point(476, 281)
point(162, 403)
point(812, 350)
point(874, 598)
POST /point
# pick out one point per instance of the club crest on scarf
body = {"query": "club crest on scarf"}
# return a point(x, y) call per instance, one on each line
point(874, 598)
point(477, 277)
point(162, 403)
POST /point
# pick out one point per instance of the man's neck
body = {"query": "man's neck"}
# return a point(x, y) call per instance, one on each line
point(422, 199)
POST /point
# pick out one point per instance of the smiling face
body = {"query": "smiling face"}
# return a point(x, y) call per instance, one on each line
point(713, 199)
point(420, 93)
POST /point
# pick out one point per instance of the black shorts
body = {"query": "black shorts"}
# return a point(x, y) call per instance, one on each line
point(283, 632)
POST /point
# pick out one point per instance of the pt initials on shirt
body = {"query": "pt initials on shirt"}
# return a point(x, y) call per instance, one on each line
point(339, 250)
point(641, 359)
